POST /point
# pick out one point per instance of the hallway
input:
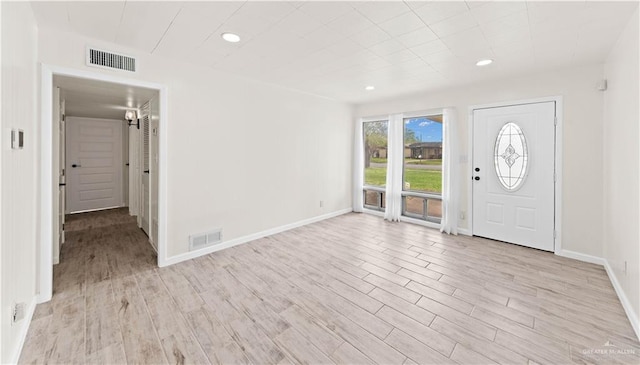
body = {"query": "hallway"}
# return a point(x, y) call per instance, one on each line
point(102, 252)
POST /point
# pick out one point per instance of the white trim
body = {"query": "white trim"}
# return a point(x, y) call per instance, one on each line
point(632, 316)
point(405, 219)
point(22, 335)
point(581, 257)
point(163, 191)
point(375, 118)
point(626, 304)
point(46, 195)
point(464, 232)
point(423, 113)
point(252, 237)
point(420, 222)
point(559, 112)
point(559, 159)
point(469, 214)
point(377, 213)
point(97, 209)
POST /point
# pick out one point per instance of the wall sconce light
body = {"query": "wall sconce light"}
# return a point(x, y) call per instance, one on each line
point(130, 115)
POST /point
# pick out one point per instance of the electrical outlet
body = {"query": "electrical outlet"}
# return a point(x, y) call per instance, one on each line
point(463, 215)
point(321, 203)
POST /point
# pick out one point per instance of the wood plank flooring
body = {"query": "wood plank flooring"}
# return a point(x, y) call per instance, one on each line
point(350, 290)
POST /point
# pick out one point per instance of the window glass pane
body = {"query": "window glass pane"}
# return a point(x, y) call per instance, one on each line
point(371, 198)
point(375, 153)
point(414, 205)
point(423, 154)
point(511, 156)
point(434, 208)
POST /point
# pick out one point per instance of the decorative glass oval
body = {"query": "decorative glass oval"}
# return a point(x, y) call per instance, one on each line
point(511, 156)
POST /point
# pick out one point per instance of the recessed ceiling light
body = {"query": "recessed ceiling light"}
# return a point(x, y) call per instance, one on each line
point(369, 88)
point(484, 62)
point(231, 37)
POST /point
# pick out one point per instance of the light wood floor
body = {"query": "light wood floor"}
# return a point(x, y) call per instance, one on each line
point(353, 289)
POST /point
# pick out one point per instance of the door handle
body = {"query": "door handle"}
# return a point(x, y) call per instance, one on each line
point(146, 171)
point(76, 165)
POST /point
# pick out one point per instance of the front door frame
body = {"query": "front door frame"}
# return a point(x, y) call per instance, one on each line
point(558, 161)
point(45, 276)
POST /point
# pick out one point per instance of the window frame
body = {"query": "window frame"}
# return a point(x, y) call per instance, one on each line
point(381, 190)
point(414, 193)
point(382, 193)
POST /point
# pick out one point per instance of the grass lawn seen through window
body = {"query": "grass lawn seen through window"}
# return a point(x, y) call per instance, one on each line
point(420, 180)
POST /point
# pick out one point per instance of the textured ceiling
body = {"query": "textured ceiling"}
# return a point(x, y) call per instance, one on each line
point(335, 49)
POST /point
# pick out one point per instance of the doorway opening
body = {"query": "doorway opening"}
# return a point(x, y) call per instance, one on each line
point(103, 153)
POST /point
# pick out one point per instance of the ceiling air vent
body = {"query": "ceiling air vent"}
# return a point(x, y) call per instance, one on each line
point(104, 59)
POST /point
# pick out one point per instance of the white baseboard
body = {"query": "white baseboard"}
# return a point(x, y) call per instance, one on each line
point(464, 232)
point(581, 257)
point(252, 237)
point(22, 335)
point(626, 304)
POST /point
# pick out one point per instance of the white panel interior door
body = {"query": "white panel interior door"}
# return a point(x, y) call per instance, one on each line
point(513, 172)
point(94, 164)
point(145, 210)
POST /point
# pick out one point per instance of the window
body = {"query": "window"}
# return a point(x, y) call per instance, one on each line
point(422, 168)
point(511, 156)
point(375, 163)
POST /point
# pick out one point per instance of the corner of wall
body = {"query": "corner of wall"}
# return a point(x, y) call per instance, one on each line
point(621, 185)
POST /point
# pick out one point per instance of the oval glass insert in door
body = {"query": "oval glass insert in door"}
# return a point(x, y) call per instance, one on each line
point(511, 157)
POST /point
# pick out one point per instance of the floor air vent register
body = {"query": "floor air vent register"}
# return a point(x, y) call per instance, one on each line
point(207, 239)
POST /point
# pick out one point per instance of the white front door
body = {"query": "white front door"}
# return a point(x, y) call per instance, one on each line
point(513, 174)
point(94, 164)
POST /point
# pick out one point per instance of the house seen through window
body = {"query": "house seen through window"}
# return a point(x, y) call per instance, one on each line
point(422, 169)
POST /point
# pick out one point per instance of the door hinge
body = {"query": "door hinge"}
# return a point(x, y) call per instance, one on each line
point(555, 234)
point(555, 177)
point(555, 121)
point(64, 117)
point(63, 226)
point(62, 173)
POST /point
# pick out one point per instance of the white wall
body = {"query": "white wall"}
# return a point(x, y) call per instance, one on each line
point(19, 172)
point(582, 201)
point(621, 164)
point(242, 155)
